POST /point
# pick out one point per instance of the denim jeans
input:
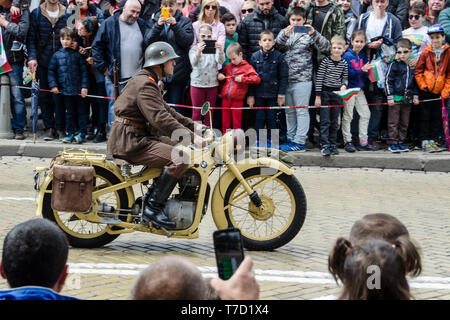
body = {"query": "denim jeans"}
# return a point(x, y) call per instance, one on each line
point(297, 120)
point(109, 86)
point(18, 109)
point(376, 111)
point(74, 110)
point(99, 106)
point(264, 116)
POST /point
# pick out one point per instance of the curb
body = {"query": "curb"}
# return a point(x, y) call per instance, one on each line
point(415, 160)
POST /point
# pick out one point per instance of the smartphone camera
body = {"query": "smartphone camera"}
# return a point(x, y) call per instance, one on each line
point(228, 247)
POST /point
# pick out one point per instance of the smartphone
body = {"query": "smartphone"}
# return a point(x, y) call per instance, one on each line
point(228, 247)
point(210, 47)
point(301, 29)
point(165, 13)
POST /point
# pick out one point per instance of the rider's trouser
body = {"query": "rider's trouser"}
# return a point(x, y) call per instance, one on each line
point(162, 154)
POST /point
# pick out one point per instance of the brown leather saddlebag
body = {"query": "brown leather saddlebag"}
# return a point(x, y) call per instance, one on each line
point(72, 187)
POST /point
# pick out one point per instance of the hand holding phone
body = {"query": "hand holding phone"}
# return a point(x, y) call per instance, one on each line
point(228, 247)
point(301, 29)
point(210, 47)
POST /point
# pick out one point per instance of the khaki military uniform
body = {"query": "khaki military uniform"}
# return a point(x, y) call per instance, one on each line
point(144, 124)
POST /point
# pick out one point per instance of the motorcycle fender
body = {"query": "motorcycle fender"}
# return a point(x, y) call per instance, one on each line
point(268, 166)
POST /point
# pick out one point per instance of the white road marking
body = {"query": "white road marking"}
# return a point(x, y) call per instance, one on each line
point(17, 198)
point(306, 277)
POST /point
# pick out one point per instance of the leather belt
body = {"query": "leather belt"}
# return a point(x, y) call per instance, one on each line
point(140, 125)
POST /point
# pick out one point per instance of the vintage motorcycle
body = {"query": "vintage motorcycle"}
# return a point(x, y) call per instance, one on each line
point(259, 195)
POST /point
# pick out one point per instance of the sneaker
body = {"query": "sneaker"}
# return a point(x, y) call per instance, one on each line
point(349, 147)
point(19, 135)
point(368, 147)
point(68, 138)
point(325, 151)
point(49, 135)
point(79, 138)
point(436, 147)
point(402, 148)
point(288, 146)
point(334, 150)
point(394, 148)
point(100, 137)
point(61, 134)
point(299, 147)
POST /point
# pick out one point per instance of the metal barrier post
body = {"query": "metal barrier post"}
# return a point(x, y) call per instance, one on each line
point(5, 108)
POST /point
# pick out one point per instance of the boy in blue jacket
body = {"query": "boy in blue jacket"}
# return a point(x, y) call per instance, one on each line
point(68, 78)
point(401, 91)
point(270, 65)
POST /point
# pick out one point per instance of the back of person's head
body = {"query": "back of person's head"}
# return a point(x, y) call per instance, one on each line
point(170, 278)
point(298, 11)
point(34, 254)
point(374, 270)
point(379, 226)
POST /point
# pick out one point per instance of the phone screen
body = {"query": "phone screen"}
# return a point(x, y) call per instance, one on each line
point(210, 47)
point(165, 13)
point(229, 251)
point(301, 29)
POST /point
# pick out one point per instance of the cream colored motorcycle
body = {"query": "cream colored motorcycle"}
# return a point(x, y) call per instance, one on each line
point(259, 195)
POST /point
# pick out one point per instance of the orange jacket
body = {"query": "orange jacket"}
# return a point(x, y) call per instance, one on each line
point(431, 78)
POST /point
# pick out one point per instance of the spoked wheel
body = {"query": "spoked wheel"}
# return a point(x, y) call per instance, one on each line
point(82, 233)
point(281, 216)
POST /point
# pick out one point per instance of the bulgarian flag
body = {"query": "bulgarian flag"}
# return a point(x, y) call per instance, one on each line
point(4, 65)
point(378, 72)
point(347, 94)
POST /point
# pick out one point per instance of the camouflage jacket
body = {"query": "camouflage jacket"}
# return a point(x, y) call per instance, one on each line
point(333, 24)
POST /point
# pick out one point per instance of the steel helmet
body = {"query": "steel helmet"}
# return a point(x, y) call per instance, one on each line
point(158, 53)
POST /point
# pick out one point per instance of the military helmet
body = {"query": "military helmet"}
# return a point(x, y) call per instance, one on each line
point(158, 53)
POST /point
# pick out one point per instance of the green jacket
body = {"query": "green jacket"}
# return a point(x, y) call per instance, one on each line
point(333, 24)
point(229, 41)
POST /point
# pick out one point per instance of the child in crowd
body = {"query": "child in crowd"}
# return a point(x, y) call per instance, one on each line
point(401, 91)
point(204, 84)
point(270, 65)
point(372, 227)
point(237, 75)
point(417, 33)
point(332, 75)
point(358, 68)
point(229, 21)
point(67, 78)
point(350, 18)
point(299, 54)
point(433, 80)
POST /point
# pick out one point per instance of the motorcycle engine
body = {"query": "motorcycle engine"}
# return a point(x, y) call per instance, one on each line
point(181, 207)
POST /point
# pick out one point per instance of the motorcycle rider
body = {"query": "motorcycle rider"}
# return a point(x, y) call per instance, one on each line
point(143, 126)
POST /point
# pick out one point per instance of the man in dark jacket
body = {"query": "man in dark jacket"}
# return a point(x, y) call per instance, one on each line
point(121, 35)
point(264, 17)
point(11, 30)
point(34, 261)
point(178, 32)
point(43, 40)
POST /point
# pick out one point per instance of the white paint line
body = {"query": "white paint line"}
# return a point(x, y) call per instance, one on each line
point(17, 198)
point(125, 269)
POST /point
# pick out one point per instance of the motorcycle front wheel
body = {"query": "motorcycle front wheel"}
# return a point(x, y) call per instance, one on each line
point(82, 233)
point(284, 203)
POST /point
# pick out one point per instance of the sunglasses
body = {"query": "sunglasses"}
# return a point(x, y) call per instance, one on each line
point(207, 36)
point(403, 52)
point(244, 11)
point(416, 17)
point(210, 7)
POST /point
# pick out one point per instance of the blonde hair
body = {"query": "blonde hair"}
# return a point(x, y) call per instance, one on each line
point(202, 11)
point(338, 40)
point(205, 26)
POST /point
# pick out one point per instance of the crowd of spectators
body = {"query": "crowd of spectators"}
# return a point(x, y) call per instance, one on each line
point(278, 47)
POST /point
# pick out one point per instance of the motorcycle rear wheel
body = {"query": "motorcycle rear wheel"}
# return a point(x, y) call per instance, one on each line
point(82, 233)
point(269, 230)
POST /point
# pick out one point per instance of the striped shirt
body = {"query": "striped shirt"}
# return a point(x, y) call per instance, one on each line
point(331, 74)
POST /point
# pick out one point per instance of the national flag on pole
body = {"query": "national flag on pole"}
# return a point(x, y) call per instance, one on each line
point(347, 94)
point(4, 65)
point(378, 72)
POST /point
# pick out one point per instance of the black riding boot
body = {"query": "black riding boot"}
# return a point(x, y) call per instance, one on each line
point(156, 200)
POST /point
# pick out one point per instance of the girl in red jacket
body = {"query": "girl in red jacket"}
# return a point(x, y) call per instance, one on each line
point(237, 75)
